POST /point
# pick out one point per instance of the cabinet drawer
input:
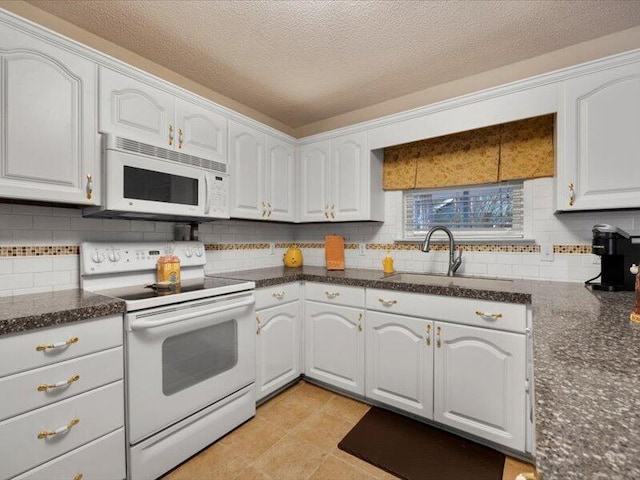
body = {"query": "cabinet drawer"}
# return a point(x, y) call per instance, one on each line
point(21, 393)
point(101, 459)
point(20, 353)
point(479, 313)
point(337, 294)
point(99, 412)
point(277, 295)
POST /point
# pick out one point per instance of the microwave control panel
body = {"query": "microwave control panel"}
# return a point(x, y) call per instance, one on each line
point(218, 203)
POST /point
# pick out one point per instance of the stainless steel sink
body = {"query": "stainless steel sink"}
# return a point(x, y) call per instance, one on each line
point(435, 279)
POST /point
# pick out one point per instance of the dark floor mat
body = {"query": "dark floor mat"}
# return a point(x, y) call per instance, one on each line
point(415, 451)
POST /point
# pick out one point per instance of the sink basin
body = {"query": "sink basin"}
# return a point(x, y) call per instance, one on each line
point(435, 279)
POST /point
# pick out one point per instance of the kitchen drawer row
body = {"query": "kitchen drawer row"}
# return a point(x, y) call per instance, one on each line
point(62, 409)
point(456, 361)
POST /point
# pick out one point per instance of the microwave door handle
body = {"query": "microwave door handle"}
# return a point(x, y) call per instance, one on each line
point(207, 206)
point(143, 324)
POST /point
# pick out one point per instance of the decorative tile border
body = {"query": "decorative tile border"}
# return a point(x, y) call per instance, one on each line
point(58, 250)
point(37, 251)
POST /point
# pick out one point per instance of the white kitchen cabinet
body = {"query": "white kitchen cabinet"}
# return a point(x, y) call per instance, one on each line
point(399, 362)
point(279, 191)
point(136, 110)
point(334, 345)
point(247, 170)
point(598, 142)
point(49, 148)
point(314, 181)
point(480, 382)
point(277, 347)
point(341, 180)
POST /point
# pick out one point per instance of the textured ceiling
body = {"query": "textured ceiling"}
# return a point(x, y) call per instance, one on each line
point(303, 61)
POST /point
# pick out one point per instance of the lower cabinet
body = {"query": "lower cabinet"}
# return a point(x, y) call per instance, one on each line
point(277, 347)
point(480, 382)
point(334, 345)
point(399, 362)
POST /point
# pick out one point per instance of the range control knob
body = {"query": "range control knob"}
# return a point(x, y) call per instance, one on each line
point(188, 252)
point(199, 252)
point(97, 257)
point(114, 256)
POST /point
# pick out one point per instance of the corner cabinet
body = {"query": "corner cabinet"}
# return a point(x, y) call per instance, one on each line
point(50, 149)
point(139, 111)
point(341, 180)
point(262, 175)
point(598, 141)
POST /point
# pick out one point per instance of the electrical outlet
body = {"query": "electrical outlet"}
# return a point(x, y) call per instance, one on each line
point(546, 252)
point(272, 249)
point(361, 249)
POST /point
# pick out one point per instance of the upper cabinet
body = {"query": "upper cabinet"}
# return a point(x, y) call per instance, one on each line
point(49, 146)
point(135, 110)
point(262, 171)
point(341, 180)
point(598, 141)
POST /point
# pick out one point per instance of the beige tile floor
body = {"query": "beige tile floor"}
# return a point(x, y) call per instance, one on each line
point(294, 436)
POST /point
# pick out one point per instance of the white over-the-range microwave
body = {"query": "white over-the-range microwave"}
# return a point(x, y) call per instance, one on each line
point(148, 182)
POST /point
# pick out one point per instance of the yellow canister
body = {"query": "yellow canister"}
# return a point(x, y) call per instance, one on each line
point(293, 257)
point(168, 269)
point(387, 264)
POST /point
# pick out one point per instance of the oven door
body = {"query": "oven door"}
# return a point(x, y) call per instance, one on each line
point(184, 357)
point(143, 184)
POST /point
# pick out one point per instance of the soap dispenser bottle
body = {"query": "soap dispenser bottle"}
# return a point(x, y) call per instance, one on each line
point(387, 264)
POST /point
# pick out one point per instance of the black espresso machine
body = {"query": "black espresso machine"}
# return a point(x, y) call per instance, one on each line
point(618, 251)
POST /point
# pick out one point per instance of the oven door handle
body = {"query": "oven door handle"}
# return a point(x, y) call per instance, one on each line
point(143, 324)
point(207, 206)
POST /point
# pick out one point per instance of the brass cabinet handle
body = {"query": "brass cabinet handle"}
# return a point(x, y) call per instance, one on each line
point(53, 346)
point(171, 135)
point(52, 433)
point(331, 294)
point(180, 139)
point(428, 339)
point(387, 303)
point(89, 186)
point(279, 295)
point(47, 386)
point(259, 325)
point(438, 342)
point(484, 315)
point(360, 322)
point(78, 477)
point(326, 211)
point(269, 214)
point(572, 194)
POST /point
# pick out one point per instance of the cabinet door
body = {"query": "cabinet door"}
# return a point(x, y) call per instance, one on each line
point(599, 127)
point(135, 110)
point(399, 362)
point(334, 340)
point(314, 182)
point(349, 174)
point(480, 382)
point(200, 132)
point(49, 143)
point(280, 180)
point(247, 167)
point(278, 348)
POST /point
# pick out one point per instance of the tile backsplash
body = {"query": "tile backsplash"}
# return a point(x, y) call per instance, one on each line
point(39, 244)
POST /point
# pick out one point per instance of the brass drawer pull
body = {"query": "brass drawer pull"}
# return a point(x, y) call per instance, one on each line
point(52, 433)
point(387, 303)
point(279, 295)
point(78, 477)
point(428, 339)
point(54, 346)
point(360, 322)
point(572, 194)
point(180, 139)
point(171, 135)
point(438, 341)
point(259, 325)
point(488, 315)
point(332, 294)
point(44, 387)
point(89, 186)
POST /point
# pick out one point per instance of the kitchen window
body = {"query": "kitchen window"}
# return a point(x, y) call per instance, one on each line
point(478, 212)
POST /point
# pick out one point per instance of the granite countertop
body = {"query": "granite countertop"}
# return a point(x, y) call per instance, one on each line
point(586, 366)
point(21, 313)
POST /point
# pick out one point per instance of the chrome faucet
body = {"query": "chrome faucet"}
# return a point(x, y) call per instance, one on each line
point(454, 261)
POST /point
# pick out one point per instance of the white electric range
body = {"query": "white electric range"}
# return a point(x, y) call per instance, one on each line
point(189, 350)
